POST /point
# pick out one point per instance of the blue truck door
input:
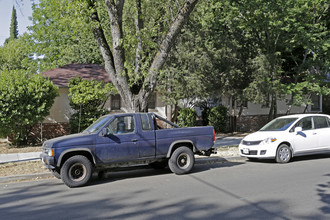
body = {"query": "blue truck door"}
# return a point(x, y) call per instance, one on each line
point(121, 142)
point(146, 140)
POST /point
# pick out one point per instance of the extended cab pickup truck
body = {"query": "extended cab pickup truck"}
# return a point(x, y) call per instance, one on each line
point(124, 140)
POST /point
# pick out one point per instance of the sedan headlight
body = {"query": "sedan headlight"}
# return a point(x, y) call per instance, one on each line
point(268, 140)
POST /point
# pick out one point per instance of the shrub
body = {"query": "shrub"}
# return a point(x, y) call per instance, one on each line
point(218, 118)
point(25, 99)
point(87, 98)
point(187, 117)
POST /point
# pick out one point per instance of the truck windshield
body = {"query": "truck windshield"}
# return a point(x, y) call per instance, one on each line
point(98, 124)
point(279, 124)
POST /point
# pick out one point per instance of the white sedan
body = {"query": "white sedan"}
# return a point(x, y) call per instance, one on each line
point(288, 136)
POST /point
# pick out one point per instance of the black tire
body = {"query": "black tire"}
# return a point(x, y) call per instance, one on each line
point(76, 171)
point(283, 154)
point(158, 165)
point(181, 161)
point(56, 173)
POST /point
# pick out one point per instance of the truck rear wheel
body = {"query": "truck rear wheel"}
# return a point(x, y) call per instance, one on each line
point(181, 161)
point(76, 171)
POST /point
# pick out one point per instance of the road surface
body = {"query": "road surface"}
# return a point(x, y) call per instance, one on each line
point(233, 190)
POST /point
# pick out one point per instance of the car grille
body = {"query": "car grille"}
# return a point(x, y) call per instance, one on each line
point(251, 152)
point(249, 143)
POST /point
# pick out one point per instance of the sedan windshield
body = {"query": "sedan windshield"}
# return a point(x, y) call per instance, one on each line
point(98, 124)
point(279, 124)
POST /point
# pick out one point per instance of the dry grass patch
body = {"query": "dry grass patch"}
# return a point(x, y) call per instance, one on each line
point(29, 167)
point(5, 148)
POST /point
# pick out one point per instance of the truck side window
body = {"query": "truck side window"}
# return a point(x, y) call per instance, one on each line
point(122, 125)
point(145, 122)
point(161, 124)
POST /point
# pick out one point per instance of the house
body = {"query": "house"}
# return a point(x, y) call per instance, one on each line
point(254, 116)
point(57, 122)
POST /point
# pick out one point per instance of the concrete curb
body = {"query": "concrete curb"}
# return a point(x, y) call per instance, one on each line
point(17, 157)
point(199, 160)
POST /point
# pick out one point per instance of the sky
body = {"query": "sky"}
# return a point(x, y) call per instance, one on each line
point(23, 11)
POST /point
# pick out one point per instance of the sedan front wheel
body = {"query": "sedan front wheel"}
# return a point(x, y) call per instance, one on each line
point(283, 154)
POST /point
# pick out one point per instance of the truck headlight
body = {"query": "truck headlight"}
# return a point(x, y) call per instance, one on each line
point(51, 152)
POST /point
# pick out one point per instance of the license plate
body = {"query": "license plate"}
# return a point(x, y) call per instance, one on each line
point(246, 151)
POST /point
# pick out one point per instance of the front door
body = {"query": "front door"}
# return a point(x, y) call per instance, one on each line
point(307, 139)
point(120, 144)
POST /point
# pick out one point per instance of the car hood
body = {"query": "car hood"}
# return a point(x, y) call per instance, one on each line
point(70, 140)
point(261, 135)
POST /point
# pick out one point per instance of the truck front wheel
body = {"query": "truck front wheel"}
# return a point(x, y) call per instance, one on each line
point(181, 161)
point(76, 171)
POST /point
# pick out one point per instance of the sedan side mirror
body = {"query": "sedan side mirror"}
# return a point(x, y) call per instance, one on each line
point(298, 129)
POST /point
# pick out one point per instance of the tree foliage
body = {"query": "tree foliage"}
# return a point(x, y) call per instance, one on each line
point(61, 34)
point(13, 27)
point(87, 98)
point(25, 99)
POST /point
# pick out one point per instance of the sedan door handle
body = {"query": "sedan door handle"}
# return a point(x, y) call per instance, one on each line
point(134, 140)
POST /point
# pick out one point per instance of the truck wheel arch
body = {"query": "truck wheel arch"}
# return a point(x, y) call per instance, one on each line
point(179, 143)
point(76, 151)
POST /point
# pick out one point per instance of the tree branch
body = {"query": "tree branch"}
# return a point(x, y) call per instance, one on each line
point(115, 11)
point(166, 44)
point(139, 27)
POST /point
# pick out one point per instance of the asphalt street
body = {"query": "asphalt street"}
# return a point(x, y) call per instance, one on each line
point(232, 190)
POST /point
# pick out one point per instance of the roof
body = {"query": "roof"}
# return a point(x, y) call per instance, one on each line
point(61, 76)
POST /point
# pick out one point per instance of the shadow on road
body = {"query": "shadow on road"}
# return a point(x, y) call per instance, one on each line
point(144, 171)
point(293, 160)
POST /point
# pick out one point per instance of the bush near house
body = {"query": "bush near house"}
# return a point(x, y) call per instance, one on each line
point(187, 117)
point(218, 118)
point(25, 99)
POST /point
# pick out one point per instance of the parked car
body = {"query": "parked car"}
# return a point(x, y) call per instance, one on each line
point(288, 136)
point(125, 140)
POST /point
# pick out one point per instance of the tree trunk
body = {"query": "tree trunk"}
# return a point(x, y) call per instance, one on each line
point(135, 97)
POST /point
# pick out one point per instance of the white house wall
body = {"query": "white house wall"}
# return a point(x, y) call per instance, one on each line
point(257, 109)
point(61, 111)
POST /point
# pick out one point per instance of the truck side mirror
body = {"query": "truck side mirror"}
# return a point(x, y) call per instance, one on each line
point(104, 132)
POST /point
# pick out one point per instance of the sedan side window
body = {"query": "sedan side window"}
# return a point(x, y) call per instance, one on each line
point(305, 123)
point(320, 122)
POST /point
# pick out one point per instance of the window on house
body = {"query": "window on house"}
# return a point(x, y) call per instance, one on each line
point(152, 101)
point(115, 102)
point(316, 103)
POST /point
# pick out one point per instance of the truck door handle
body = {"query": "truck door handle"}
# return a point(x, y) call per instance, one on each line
point(134, 140)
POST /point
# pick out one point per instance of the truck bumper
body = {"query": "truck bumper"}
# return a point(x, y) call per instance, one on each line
point(48, 161)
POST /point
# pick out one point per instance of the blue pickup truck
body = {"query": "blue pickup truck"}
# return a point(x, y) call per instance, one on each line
point(124, 140)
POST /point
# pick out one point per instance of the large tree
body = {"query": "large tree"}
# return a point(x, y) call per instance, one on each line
point(146, 28)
